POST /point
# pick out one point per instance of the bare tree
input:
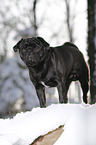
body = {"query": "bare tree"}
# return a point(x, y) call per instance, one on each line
point(70, 27)
point(70, 19)
point(34, 13)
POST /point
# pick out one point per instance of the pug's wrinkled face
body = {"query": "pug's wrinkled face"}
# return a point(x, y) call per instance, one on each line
point(32, 50)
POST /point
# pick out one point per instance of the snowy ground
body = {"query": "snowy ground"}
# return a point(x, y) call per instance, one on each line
point(79, 125)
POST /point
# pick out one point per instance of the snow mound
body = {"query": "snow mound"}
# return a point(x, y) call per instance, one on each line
point(79, 125)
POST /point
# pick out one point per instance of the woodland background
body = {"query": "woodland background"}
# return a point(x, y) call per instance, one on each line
point(57, 21)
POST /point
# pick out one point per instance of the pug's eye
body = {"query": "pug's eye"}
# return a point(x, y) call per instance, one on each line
point(40, 54)
point(24, 50)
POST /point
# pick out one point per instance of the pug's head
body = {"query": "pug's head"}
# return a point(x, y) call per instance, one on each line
point(32, 50)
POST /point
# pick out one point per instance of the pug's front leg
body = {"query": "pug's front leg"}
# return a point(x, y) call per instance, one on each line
point(41, 97)
point(62, 90)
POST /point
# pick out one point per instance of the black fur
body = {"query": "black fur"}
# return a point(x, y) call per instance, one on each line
point(53, 67)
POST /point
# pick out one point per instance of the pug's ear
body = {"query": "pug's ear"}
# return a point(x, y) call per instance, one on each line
point(46, 45)
point(16, 47)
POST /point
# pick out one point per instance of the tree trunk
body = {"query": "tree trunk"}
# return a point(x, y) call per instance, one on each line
point(69, 25)
point(92, 47)
point(34, 13)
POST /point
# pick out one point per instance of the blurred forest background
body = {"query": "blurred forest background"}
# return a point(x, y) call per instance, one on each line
point(57, 21)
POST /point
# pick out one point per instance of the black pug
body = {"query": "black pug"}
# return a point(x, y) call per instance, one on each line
point(53, 67)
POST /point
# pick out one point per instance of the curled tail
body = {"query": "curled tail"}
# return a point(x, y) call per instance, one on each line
point(70, 44)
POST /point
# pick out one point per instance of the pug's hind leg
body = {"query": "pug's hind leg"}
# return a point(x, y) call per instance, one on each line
point(85, 88)
point(41, 97)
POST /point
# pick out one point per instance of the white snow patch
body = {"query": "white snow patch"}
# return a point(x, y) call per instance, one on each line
point(79, 125)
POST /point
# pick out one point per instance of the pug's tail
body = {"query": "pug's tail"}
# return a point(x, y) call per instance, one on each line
point(70, 44)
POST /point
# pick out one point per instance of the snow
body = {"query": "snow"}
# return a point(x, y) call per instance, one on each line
point(79, 122)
